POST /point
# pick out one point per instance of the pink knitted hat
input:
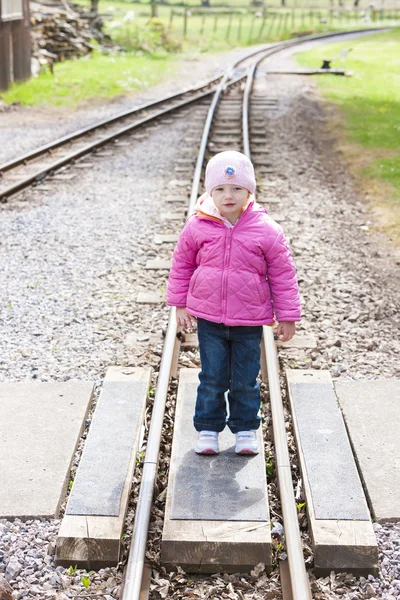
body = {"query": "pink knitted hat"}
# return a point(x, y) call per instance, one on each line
point(230, 167)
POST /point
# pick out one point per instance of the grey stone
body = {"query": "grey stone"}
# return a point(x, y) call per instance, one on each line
point(13, 568)
point(101, 475)
point(35, 420)
point(371, 410)
point(331, 470)
point(213, 488)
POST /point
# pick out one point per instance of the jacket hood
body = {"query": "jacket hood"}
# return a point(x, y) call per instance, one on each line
point(205, 207)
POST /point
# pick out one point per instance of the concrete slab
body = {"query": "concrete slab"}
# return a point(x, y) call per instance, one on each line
point(209, 488)
point(166, 238)
point(149, 298)
point(103, 468)
point(36, 418)
point(331, 470)
point(158, 264)
point(371, 411)
point(172, 216)
point(91, 529)
point(300, 340)
point(339, 544)
point(229, 543)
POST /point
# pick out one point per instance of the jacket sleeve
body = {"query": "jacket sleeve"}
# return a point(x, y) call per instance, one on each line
point(282, 280)
point(182, 268)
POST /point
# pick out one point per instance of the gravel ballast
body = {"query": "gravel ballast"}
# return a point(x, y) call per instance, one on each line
point(74, 259)
point(24, 128)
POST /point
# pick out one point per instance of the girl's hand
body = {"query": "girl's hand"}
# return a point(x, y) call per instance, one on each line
point(184, 319)
point(285, 330)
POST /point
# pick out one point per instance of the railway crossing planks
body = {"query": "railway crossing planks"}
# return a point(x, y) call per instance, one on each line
point(217, 513)
point(341, 528)
point(36, 418)
point(91, 529)
point(371, 411)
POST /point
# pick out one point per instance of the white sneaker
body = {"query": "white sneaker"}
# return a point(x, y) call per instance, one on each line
point(207, 442)
point(246, 442)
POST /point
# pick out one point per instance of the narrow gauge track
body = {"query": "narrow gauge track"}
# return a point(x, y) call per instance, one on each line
point(228, 117)
point(33, 167)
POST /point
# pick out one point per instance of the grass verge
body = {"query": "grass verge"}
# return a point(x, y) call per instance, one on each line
point(94, 76)
point(364, 117)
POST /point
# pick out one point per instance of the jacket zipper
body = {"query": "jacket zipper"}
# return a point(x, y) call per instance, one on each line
point(227, 257)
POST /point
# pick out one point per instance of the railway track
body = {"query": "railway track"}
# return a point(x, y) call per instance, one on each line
point(34, 167)
point(228, 126)
point(230, 106)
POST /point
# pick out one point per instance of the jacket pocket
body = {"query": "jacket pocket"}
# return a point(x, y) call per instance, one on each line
point(193, 280)
point(262, 294)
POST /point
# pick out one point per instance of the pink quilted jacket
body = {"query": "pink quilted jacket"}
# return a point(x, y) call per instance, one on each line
point(237, 276)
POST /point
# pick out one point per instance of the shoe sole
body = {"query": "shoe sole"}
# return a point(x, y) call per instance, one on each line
point(206, 451)
point(247, 451)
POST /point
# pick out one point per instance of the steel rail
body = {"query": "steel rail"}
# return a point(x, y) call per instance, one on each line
point(203, 144)
point(297, 569)
point(207, 127)
point(41, 174)
point(100, 124)
point(105, 122)
point(135, 563)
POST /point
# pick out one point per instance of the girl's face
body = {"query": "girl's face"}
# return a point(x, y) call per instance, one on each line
point(230, 200)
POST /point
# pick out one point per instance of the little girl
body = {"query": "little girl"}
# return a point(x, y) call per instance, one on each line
point(232, 270)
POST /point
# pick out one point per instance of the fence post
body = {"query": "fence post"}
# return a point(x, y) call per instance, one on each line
point(262, 26)
point(269, 34)
point(171, 16)
point(228, 30)
point(203, 19)
point(215, 23)
point(154, 9)
point(240, 29)
point(281, 24)
point(286, 24)
point(251, 29)
point(184, 23)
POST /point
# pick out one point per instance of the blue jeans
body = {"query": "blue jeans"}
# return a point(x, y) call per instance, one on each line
point(230, 360)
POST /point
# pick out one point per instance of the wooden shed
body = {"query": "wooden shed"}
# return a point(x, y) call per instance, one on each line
point(15, 43)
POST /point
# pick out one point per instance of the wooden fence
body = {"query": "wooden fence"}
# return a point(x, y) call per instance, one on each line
point(264, 24)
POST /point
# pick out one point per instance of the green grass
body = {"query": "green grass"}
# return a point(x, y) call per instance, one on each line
point(217, 29)
point(369, 102)
point(151, 54)
point(94, 76)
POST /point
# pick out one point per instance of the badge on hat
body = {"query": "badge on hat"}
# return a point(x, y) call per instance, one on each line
point(230, 172)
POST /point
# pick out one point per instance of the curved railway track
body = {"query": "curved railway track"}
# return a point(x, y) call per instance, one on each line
point(229, 105)
point(33, 167)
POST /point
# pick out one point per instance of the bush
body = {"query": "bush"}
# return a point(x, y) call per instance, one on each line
point(151, 38)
